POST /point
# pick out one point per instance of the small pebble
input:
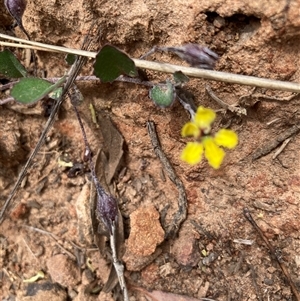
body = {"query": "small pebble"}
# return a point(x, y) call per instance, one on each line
point(146, 232)
point(63, 270)
point(268, 281)
point(209, 259)
point(186, 250)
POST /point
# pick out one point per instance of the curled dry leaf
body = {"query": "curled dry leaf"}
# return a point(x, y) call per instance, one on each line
point(107, 210)
point(16, 8)
point(196, 55)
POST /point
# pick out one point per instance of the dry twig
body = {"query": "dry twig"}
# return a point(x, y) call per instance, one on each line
point(167, 68)
point(269, 146)
point(235, 108)
point(182, 201)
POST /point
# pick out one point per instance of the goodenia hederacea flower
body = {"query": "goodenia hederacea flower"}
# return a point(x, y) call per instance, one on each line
point(212, 152)
point(201, 123)
point(192, 153)
point(204, 118)
point(226, 138)
point(190, 129)
point(200, 128)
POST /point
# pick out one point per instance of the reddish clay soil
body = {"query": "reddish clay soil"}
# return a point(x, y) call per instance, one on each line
point(207, 258)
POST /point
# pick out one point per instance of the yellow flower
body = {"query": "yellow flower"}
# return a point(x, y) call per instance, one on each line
point(200, 129)
point(202, 122)
point(226, 138)
point(190, 129)
point(192, 153)
point(213, 153)
point(204, 117)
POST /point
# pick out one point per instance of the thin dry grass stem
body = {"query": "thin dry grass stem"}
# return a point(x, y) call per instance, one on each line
point(29, 249)
point(17, 45)
point(169, 68)
point(54, 237)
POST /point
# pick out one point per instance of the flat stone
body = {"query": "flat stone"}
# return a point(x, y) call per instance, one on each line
point(186, 250)
point(145, 235)
point(146, 232)
point(63, 270)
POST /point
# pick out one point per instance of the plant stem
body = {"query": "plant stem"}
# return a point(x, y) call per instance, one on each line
point(169, 68)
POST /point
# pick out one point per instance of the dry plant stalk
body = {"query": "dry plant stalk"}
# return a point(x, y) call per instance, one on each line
point(167, 68)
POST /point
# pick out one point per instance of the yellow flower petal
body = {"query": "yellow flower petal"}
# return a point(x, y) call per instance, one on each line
point(192, 153)
point(204, 117)
point(190, 129)
point(213, 153)
point(226, 138)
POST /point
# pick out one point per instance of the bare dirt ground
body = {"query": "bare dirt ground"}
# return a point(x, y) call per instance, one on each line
point(206, 259)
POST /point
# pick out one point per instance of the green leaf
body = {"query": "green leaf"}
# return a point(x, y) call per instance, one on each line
point(31, 90)
point(10, 67)
point(180, 77)
point(111, 63)
point(163, 95)
point(70, 58)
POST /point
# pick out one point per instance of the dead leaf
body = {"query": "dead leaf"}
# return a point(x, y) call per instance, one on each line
point(113, 147)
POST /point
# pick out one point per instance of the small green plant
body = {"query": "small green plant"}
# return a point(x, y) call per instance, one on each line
point(112, 64)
